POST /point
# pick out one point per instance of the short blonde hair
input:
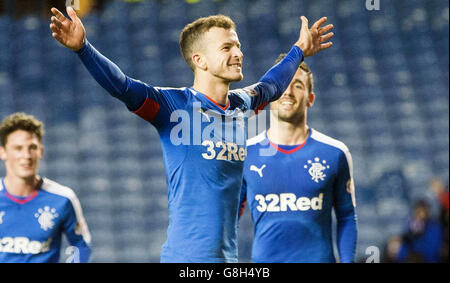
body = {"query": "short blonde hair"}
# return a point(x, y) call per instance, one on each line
point(20, 121)
point(193, 32)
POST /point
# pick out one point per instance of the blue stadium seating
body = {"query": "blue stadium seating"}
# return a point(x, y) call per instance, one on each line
point(382, 89)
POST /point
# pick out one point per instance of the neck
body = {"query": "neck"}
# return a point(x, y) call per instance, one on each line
point(215, 89)
point(287, 133)
point(21, 187)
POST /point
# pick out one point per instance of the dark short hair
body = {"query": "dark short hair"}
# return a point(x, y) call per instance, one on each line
point(304, 67)
point(194, 31)
point(20, 121)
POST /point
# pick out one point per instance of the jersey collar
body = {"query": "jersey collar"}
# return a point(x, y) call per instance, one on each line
point(209, 100)
point(277, 147)
point(21, 200)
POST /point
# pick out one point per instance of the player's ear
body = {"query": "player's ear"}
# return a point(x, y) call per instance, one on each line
point(311, 99)
point(2, 153)
point(199, 61)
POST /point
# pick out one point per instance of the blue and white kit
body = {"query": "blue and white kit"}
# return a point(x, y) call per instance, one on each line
point(31, 227)
point(291, 194)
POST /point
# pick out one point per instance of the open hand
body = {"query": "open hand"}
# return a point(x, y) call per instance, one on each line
point(70, 33)
point(313, 39)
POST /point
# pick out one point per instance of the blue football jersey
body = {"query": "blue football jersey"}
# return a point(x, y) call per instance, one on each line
point(31, 227)
point(291, 191)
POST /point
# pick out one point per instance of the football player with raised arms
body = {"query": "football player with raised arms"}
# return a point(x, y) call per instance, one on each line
point(204, 167)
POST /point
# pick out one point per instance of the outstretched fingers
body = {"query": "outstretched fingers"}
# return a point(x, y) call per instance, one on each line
point(325, 29)
point(56, 22)
point(326, 37)
point(72, 14)
point(68, 31)
point(319, 22)
point(57, 29)
point(325, 45)
point(58, 14)
point(56, 32)
point(324, 33)
point(57, 36)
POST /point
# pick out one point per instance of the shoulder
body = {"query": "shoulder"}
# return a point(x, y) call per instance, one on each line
point(342, 149)
point(173, 93)
point(56, 189)
point(246, 92)
point(329, 141)
point(242, 96)
point(183, 91)
point(237, 95)
point(172, 89)
point(344, 157)
point(72, 205)
point(256, 140)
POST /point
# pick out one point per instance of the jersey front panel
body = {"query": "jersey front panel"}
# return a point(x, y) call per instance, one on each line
point(291, 196)
point(30, 231)
point(204, 152)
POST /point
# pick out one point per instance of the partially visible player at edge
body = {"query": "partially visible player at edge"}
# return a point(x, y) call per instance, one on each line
point(291, 193)
point(204, 177)
point(35, 211)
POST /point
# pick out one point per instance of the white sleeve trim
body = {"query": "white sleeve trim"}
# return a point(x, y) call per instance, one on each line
point(340, 145)
point(256, 139)
point(55, 188)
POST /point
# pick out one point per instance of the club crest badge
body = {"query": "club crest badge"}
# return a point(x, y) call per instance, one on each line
point(316, 169)
point(45, 217)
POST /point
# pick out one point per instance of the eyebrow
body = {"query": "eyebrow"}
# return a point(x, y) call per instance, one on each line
point(230, 43)
point(22, 145)
point(299, 81)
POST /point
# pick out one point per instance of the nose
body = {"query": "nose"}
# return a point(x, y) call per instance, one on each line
point(26, 153)
point(238, 53)
point(288, 91)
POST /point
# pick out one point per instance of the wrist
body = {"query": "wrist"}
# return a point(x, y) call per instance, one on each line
point(302, 46)
point(82, 47)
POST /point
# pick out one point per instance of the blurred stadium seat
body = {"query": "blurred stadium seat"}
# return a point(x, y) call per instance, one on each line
point(382, 89)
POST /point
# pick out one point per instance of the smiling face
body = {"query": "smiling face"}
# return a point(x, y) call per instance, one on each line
point(292, 105)
point(220, 55)
point(21, 154)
